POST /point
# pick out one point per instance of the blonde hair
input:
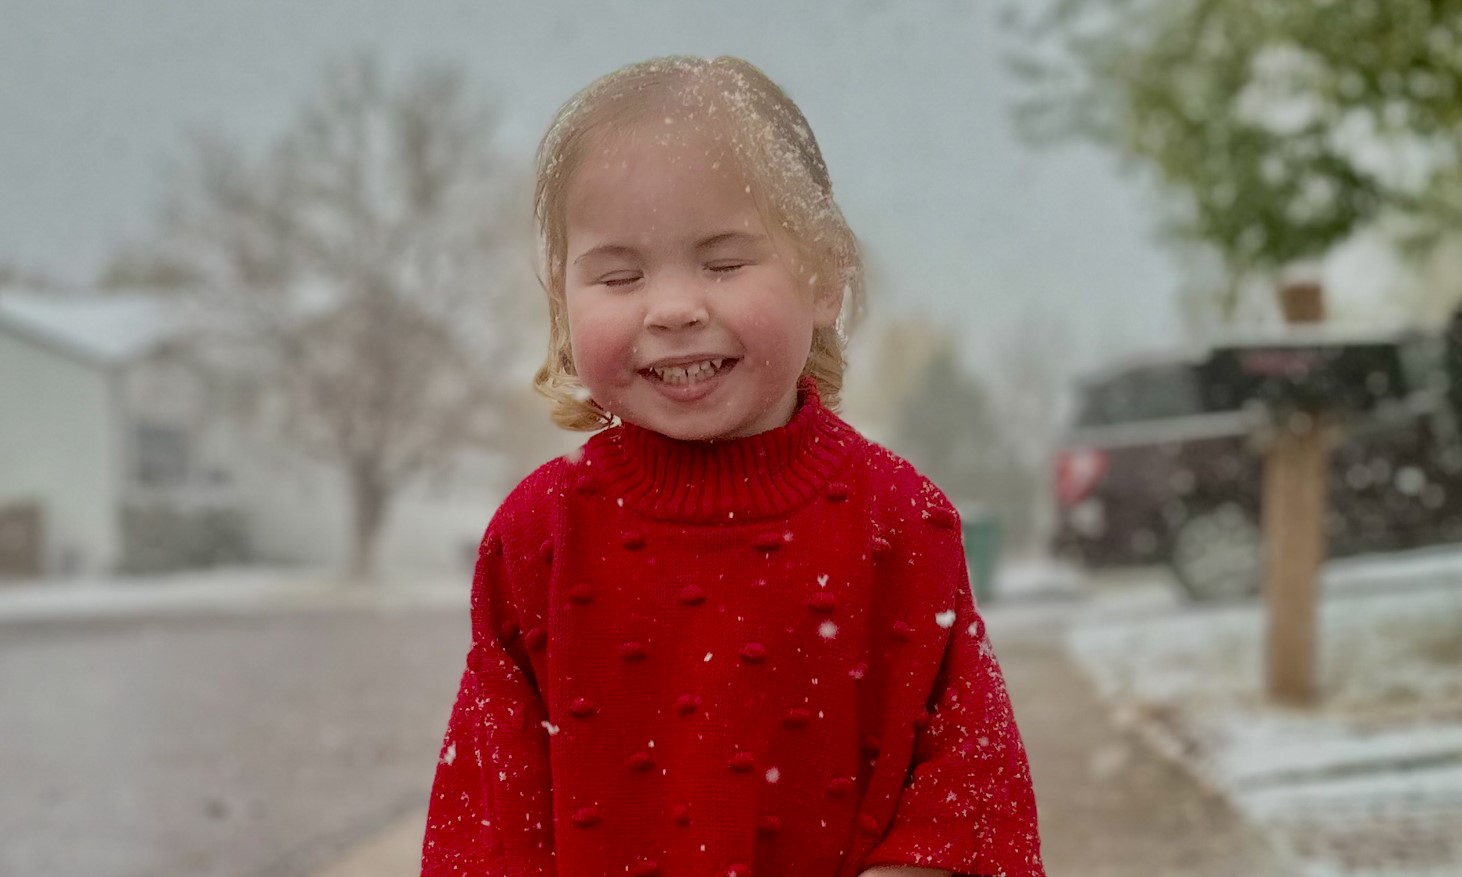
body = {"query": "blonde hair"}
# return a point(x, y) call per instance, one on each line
point(789, 182)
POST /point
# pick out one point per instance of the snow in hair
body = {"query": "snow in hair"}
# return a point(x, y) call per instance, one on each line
point(766, 132)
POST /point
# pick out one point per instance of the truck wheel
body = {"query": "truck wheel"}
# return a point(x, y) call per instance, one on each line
point(1215, 554)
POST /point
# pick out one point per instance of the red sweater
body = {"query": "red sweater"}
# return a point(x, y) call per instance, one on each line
point(752, 657)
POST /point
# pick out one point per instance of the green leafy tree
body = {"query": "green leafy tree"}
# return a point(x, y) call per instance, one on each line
point(1282, 126)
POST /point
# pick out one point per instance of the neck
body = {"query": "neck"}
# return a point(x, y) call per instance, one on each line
point(731, 480)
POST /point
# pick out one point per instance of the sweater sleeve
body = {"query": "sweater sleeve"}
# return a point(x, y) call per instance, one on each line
point(968, 806)
point(491, 810)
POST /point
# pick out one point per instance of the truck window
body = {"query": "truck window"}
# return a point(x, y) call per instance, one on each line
point(1144, 393)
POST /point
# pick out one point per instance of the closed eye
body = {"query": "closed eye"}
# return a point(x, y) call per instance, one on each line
point(617, 280)
point(726, 267)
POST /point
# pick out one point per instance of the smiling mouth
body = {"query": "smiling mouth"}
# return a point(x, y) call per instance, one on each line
point(691, 372)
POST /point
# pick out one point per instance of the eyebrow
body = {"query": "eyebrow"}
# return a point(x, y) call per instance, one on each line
point(730, 237)
point(704, 244)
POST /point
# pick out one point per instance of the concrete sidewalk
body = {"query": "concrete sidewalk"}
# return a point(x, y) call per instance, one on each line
point(393, 852)
point(1109, 807)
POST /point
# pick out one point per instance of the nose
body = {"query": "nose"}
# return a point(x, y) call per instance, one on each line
point(675, 305)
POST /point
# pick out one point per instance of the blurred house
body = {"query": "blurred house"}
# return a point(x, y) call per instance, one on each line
point(106, 458)
point(120, 453)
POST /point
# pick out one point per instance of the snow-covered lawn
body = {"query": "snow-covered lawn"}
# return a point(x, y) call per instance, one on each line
point(1367, 783)
point(1036, 579)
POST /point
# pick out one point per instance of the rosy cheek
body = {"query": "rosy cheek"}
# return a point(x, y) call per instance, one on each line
point(599, 355)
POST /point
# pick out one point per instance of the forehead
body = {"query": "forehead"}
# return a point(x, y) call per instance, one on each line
point(669, 167)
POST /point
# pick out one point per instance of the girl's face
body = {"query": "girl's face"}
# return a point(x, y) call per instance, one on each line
point(685, 314)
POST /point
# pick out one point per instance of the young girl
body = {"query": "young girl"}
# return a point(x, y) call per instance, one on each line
point(729, 636)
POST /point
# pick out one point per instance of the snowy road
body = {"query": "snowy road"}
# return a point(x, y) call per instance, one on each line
point(225, 745)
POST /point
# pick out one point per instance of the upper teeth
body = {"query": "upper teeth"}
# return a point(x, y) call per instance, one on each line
point(676, 374)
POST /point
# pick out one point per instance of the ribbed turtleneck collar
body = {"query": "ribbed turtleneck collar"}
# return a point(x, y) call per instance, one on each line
point(759, 476)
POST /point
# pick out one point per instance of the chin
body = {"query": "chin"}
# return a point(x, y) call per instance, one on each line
point(691, 433)
point(693, 429)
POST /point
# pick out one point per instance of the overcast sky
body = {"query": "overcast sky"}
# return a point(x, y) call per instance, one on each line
point(908, 99)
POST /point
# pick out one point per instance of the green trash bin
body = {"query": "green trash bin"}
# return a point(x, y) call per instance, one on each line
point(982, 548)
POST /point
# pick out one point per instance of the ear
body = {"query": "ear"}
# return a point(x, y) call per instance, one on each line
point(827, 304)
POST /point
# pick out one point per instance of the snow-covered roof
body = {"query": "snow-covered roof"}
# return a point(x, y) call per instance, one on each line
point(105, 329)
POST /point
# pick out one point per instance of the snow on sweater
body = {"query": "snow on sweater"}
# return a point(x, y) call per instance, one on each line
point(751, 657)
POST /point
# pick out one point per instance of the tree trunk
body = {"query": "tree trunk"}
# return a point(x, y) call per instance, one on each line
point(369, 499)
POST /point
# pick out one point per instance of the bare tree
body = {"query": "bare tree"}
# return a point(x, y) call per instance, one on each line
point(363, 267)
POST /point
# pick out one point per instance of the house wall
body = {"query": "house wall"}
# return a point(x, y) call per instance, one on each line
point(58, 446)
point(180, 505)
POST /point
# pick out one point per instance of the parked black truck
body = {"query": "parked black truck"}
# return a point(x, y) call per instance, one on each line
point(1164, 461)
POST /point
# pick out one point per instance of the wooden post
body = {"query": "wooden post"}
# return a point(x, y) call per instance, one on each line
point(1294, 531)
point(1294, 539)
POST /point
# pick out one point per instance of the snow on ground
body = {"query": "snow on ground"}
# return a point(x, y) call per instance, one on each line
point(1036, 579)
point(224, 589)
point(1367, 783)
